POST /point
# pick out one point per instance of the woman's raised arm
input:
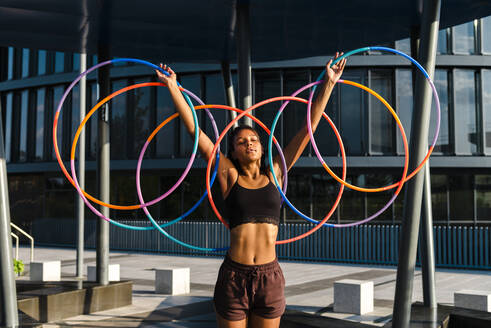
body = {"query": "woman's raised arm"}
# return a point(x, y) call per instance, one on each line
point(298, 143)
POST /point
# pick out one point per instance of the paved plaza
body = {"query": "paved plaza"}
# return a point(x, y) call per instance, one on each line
point(309, 289)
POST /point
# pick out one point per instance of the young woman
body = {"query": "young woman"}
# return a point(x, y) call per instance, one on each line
point(250, 285)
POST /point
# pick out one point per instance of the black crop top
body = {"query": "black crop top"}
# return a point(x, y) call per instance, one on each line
point(260, 205)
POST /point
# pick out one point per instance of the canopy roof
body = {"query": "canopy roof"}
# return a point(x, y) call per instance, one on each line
point(203, 31)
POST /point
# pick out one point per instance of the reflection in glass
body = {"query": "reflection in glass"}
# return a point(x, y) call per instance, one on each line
point(141, 119)
point(486, 34)
point(119, 118)
point(59, 62)
point(483, 196)
point(381, 121)
point(10, 65)
point(465, 112)
point(267, 85)
point(24, 108)
point(353, 114)
point(25, 63)
point(165, 139)
point(41, 62)
point(294, 113)
point(404, 46)
point(404, 104)
point(439, 197)
point(193, 84)
point(463, 39)
point(442, 45)
point(8, 125)
point(443, 142)
point(40, 112)
point(461, 200)
point(486, 103)
point(26, 195)
point(57, 94)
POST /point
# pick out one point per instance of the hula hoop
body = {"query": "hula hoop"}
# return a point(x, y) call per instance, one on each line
point(58, 112)
point(74, 175)
point(230, 125)
point(401, 128)
point(430, 150)
point(140, 160)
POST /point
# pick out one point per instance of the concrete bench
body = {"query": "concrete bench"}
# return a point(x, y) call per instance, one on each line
point(113, 274)
point(473, 299)
point(45, 271)
point(353, 296)
point(172, 280)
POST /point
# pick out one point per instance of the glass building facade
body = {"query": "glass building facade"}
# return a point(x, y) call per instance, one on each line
point(33, 81)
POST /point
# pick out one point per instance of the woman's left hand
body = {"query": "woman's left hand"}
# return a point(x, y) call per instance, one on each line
point(334, 72)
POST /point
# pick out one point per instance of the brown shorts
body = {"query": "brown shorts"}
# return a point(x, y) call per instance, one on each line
point(241, 289)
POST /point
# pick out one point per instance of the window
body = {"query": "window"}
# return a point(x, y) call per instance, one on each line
point(75, 118)
point(25, 63)
point(40, 112)
point(483, 197)
point(142, 119)
point(404, 105)
point(300, 195)
point(439, 197)
point(461, 200)
point(381, 121)
point(442, 45)
point(295, 113)
point(353, 114)
point(443, 142)
point(404, 45)
point(352, 205)
point(41, 62)
point(486, 102)
point(11, 63)
point(92, 124)
point(59, 198)
point(463, 39)
point(214, 94)
point(76, 62)
point(8, 125)
point(466, 138)
point(267, 85)
point(59, 62)
point(24, 110)
point(57, 94)
point(486, 35)
point(165, 140)
point(193, 84)
point(377, 200)
point(325, 192)
point(119, 119)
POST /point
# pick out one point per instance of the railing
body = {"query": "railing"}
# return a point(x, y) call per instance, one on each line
point(17, 238)
point(455, 246)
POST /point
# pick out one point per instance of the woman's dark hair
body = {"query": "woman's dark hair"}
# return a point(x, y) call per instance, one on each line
point(264, 168)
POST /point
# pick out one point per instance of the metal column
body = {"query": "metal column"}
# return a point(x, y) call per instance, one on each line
point(244, 57)
point(414, 189)
point(103, 173)
point(8, 294)
point(81, 172)
point(426, 244)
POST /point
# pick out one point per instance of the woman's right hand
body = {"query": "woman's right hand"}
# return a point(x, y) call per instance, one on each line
point(169, 80)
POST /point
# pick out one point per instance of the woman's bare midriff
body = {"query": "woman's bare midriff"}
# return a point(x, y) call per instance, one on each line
point(253, 243)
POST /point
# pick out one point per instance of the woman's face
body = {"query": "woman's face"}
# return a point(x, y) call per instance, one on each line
point(247, 146)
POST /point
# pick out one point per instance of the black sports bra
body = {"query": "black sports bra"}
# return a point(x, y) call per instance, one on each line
point(260, 205)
